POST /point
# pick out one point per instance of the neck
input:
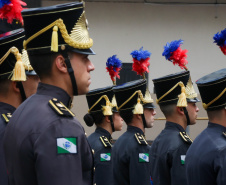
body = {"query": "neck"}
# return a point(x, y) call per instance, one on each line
point(179, 121)
point(137, 122)
point(58, 82)
point(106, 126)
point(14, 100)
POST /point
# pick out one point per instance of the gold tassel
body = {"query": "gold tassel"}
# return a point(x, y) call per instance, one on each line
point(182, 102)
point(138, 109)
point(54, 44)
point(107, 109)
point(19, 70)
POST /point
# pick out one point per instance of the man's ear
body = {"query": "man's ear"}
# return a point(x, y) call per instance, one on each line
point(15, 86)
point(180, 110)
point(107, 119)
point(138, 116)
point(60, 64)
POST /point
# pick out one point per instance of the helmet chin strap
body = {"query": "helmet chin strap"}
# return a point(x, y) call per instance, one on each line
point(144, 121)
point(71, 73)
point(112, 123)
point(186, 114)
point(22, 92)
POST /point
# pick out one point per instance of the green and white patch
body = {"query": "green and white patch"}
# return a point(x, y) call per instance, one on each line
point(182, 158)
point(67, 145)
point(143, 157)
point(105, 157)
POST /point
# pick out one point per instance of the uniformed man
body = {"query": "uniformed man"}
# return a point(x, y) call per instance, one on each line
point(102, 112)
point(13, 91)
point(206, 158)
point(169, 149)
point(44, 143)
point(130, 154)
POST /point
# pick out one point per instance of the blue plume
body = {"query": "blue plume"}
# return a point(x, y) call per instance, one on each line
point(169, 48)
point(3, 2)
point(140, 54)
point(220, 38)
point(114, 62)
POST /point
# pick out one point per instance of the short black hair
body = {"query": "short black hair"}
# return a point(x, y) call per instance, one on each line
point(127, 115)
point(4, 86)
point(213, 114)
point(42, 63)
point(168, 110)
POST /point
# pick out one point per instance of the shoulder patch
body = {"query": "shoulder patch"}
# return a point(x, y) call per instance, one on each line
point(141, 139)
point(60, 108)
point(224, 133)
point(6, 117)
point(185, 137)
point(105, 141)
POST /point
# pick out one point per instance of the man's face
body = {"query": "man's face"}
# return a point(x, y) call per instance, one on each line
point(192, 112)
point(30, 85)
point(149, 116)
point(118, 121)
point(82, 67)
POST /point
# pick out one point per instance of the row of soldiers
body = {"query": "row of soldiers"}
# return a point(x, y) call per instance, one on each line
point(43, 143)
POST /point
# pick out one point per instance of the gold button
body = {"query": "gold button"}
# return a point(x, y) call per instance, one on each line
point(93, 151)
point(94, 169)
point(85, 134)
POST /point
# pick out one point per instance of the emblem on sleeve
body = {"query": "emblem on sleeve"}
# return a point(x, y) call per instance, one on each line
point(182, 159)
point(6, 117)
point(105, 157)
point(67, 145)
point(143, 157)
point(141, 139)
point(60, 108)
point(185, 137)
point(105, 141)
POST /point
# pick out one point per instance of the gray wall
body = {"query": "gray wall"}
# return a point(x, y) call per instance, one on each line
point(119, 28)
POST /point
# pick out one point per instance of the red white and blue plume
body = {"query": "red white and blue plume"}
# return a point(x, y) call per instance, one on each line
point(113, 67)
point(141, 61)
point(220, 39)
point(175, 54)
point(11, 9)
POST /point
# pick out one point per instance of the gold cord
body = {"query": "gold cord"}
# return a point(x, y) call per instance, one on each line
point(205, 106)
point(105, 97)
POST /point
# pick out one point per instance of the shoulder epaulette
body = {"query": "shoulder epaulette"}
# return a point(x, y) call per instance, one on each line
point(6, 117)
point(141, 139)
point(185, 137)
point(60, 108)
point(224, 133)
point(105, 141)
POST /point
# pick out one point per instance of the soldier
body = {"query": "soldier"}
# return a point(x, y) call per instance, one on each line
point(130, 154)
point(206, 158)
point(169, 149)
point(44, 143)
point(107, 120)
point(13, 91)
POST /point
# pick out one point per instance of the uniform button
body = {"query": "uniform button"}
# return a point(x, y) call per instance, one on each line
point(94, 169)
point(93, 151)
point(85, 134)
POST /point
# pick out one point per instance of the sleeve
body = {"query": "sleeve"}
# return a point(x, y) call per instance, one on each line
point(139, 165)
point(177, 168)
point(220, 167)
point(103, 174)
point(63, 155)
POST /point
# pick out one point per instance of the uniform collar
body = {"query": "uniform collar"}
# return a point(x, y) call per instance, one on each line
point(6, 108)
point(55, 92)
point(103, 132)
point(134, 129)
point(174, 126)
point(216, 127)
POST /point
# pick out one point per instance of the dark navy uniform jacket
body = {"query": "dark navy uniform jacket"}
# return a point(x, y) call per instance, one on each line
point(206, 158)
point(130, 159)
point(167, 156)
point(103, 174)
point(5, 113)
point(43, 146)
